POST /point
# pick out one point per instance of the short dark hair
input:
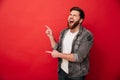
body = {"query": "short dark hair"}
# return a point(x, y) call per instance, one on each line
point(82, 15)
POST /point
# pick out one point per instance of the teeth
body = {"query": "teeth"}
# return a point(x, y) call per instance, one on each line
point(71, 21)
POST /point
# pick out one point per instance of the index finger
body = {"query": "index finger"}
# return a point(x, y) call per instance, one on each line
point(47, 27)
point(48, 51)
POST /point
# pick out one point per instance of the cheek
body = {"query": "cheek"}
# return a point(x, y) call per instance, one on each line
point(76, 19)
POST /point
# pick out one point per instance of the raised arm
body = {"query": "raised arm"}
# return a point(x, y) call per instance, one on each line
point(50, 36)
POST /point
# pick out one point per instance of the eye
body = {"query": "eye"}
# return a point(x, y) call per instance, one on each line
point(75, 15)
point(70, 14)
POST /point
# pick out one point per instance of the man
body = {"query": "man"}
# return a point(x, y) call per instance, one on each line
point(73, 48)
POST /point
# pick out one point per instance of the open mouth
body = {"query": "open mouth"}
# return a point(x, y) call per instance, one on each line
point(71, 21)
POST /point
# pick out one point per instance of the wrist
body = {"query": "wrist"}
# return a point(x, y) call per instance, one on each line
point(60, 55)
point(51, 37)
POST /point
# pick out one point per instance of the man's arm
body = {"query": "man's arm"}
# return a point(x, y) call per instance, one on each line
point(56, 54)
point(50, 36)
point(81, 53)
point(84, 48)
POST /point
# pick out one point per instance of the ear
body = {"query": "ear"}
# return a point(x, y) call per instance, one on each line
point(81, 20)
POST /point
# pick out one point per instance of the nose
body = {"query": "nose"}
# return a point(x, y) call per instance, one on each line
point(71, 17)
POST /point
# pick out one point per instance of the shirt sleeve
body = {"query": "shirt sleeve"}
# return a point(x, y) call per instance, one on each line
point(59, 43)
point(57, 46)
point(84, 48)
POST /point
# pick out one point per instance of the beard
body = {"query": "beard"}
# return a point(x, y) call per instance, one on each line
point(74, 25)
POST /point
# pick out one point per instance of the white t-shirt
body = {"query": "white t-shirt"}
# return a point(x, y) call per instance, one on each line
point(67, 45)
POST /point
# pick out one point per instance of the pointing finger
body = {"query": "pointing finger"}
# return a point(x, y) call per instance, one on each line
point(47, 27)
point(48, 51)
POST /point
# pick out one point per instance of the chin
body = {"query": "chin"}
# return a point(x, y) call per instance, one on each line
point(70, 27)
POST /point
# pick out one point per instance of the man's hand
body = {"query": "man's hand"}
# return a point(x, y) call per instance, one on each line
point(48, 31)
point(54, 53)
point(51, 37)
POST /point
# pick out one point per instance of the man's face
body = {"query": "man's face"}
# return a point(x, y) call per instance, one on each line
point(73, 19)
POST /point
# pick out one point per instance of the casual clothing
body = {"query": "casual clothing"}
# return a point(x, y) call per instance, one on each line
point(67, 46)
point(81, 46)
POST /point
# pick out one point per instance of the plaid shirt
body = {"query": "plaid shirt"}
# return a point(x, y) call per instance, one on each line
point(81, 46)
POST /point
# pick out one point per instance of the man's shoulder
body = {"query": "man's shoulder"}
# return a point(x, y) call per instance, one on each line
point(87, 31)
point(88, 34)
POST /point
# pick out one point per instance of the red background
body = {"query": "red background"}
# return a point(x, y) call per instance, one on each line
point(23, 41)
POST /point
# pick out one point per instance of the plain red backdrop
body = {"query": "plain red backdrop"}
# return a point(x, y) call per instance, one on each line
point(23, 41)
